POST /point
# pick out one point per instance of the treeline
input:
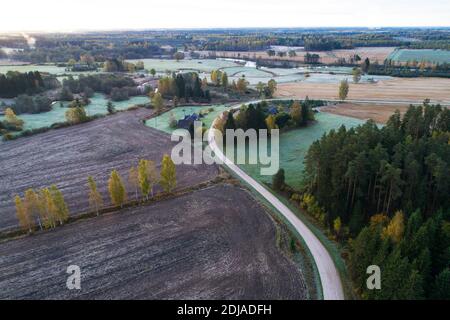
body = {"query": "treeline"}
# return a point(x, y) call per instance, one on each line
point(322, 44)
point(284, 115)
point(410, 69)
point(355, 173)
point(237, 44)
point(47, 208)
point(388, 187)
point(119, 65)
point(184, 86)
point(430, 44)
point(14, 83)
point(119, 87)
point(58, 50)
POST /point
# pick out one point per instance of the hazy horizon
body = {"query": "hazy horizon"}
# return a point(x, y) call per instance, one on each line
point(103, 15)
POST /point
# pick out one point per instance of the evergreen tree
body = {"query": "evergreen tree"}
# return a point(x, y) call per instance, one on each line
point(110, 107)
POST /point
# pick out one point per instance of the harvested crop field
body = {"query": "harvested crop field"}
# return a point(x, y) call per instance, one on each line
point(377, 112)
point(326, 57)
point(67, 156)
point(197, 246)
point(398, 89)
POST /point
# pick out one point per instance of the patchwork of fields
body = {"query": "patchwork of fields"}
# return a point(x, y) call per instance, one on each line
point(396, 89)
point(67, 156)
point(57, 114)
point(326, 57)
point(197, 246)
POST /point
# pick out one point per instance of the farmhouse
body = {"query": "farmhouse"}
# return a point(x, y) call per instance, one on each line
point(188, 121)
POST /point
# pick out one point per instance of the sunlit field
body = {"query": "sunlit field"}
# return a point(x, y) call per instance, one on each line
point(57, 114)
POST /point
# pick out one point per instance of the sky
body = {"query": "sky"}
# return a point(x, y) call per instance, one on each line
point(76, 15)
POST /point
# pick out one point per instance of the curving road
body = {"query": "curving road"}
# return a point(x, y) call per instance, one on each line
point(329, 275)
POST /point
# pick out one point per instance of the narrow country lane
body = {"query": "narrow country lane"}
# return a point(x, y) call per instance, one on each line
point(329, 275)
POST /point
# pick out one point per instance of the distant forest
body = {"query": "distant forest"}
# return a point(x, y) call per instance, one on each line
point(148, 44)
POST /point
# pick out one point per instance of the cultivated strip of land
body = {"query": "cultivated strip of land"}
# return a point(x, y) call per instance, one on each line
point(196, 246)
point(401, 90)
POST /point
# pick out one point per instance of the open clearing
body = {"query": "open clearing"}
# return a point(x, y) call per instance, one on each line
point(67, 156)
point(398, 89)
point(378, 112)
point(197, 246)
point(57, 114)
point(294, 145)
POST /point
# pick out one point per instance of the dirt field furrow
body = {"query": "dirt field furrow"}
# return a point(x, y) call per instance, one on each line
point(166, 250)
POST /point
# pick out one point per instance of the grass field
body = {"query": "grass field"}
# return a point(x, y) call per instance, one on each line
point(196, 246)
point(67, 156)
point(294, 145)
point(399, 89)
point(57, 114)
point(44, 68)
point(53, 69)
point(161, 122)
point(419, 55)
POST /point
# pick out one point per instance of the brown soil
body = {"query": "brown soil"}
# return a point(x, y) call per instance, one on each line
point(67, 156)
point(400, 89)
point(197, 246)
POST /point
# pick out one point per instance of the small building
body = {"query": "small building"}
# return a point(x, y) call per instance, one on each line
point(188, 121)
point(272, 110)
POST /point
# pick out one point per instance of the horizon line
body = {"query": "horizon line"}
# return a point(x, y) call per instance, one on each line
point(215, 28)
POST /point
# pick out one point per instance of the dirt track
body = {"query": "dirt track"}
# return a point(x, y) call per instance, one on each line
point(67, 156)
point(196, 246)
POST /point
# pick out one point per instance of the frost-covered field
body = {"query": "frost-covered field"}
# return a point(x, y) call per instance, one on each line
point(67, 156)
